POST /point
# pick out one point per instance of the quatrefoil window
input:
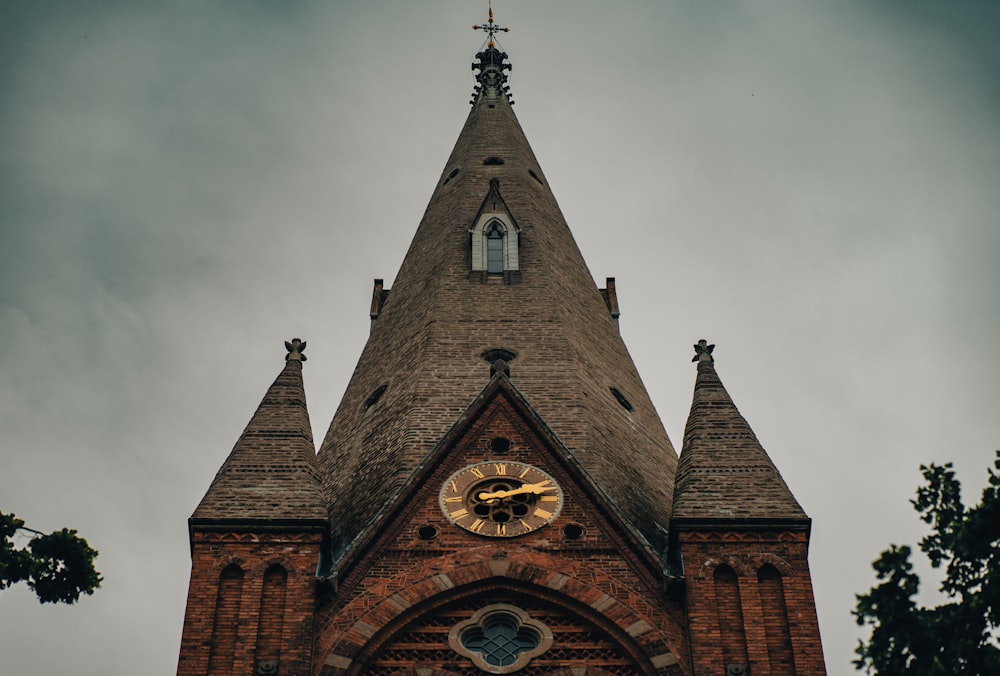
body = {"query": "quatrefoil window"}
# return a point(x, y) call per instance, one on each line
point(500, 638)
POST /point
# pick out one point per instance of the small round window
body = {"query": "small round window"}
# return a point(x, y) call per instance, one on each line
point(492, 355)
point(500, 445)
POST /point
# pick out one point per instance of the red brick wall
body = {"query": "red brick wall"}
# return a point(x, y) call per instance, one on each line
point(255, 554)
point(272, 614)
point(602, 581)
point(599, 576)
point(729, 611)
point(776, 626)
point(226, 620)
point(755, 557)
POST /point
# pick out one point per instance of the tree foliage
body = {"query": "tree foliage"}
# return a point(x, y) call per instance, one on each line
point(960, 636)
point(58, 566)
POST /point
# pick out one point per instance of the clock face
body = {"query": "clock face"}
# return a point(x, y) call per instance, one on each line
point(501, 499)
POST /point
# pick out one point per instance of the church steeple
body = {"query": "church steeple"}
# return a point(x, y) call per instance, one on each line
point(493, 265)
point(497, 490)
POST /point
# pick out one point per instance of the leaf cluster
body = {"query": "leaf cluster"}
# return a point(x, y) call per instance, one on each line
point(57, 566)
point(959, 636)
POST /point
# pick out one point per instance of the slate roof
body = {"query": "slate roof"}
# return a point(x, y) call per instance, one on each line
point(271, 475)
point(427, 343)
point(724, 474)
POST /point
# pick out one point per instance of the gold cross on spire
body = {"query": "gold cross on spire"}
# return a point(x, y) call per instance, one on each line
point(490, 28)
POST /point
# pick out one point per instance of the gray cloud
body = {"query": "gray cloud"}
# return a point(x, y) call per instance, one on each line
point(183, 187)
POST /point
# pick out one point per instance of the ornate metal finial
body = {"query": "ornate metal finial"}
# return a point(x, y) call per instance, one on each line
point(703, 351)
point(295, 349)
point(492, 66)
point(490, 28)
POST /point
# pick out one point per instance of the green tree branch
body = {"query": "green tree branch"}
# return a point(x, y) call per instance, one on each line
point(958, 637)
point(57, 566)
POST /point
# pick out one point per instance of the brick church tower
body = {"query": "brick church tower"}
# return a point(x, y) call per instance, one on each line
point(496, 493)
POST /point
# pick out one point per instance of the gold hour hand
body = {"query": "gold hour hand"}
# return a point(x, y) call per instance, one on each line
point(498, 495)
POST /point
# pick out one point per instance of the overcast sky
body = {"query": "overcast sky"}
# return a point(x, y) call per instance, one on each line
point(814, 187)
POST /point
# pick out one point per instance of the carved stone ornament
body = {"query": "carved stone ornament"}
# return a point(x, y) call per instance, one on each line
point(703, 351)
point(737, 670)
point(295, 349)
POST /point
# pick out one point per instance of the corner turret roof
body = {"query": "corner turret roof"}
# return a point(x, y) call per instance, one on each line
point(724, 473)
point(270, 476)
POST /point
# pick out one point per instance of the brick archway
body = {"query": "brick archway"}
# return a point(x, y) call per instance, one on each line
point(587, 636)
point(369, 621)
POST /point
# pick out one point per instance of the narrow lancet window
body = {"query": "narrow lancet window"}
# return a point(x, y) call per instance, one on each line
point(494, 249)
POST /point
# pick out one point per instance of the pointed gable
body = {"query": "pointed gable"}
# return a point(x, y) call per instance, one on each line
point(271, 473)
point(723, 473)
point(499, 428)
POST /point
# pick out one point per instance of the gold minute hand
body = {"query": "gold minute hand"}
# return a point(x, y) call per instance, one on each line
point(535, 489)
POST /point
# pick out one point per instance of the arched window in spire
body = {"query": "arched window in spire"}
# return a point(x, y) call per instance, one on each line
point(494, 239)
point(494, 246)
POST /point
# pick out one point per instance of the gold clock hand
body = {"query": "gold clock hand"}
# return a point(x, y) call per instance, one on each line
point(490, 497)
point(535, 489)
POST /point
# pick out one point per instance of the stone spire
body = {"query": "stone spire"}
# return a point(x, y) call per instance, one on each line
point(723, 472)
point(271, 474)
point(457, 302)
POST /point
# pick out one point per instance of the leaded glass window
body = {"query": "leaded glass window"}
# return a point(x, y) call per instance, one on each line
point(494, 249)
point(500, 638)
